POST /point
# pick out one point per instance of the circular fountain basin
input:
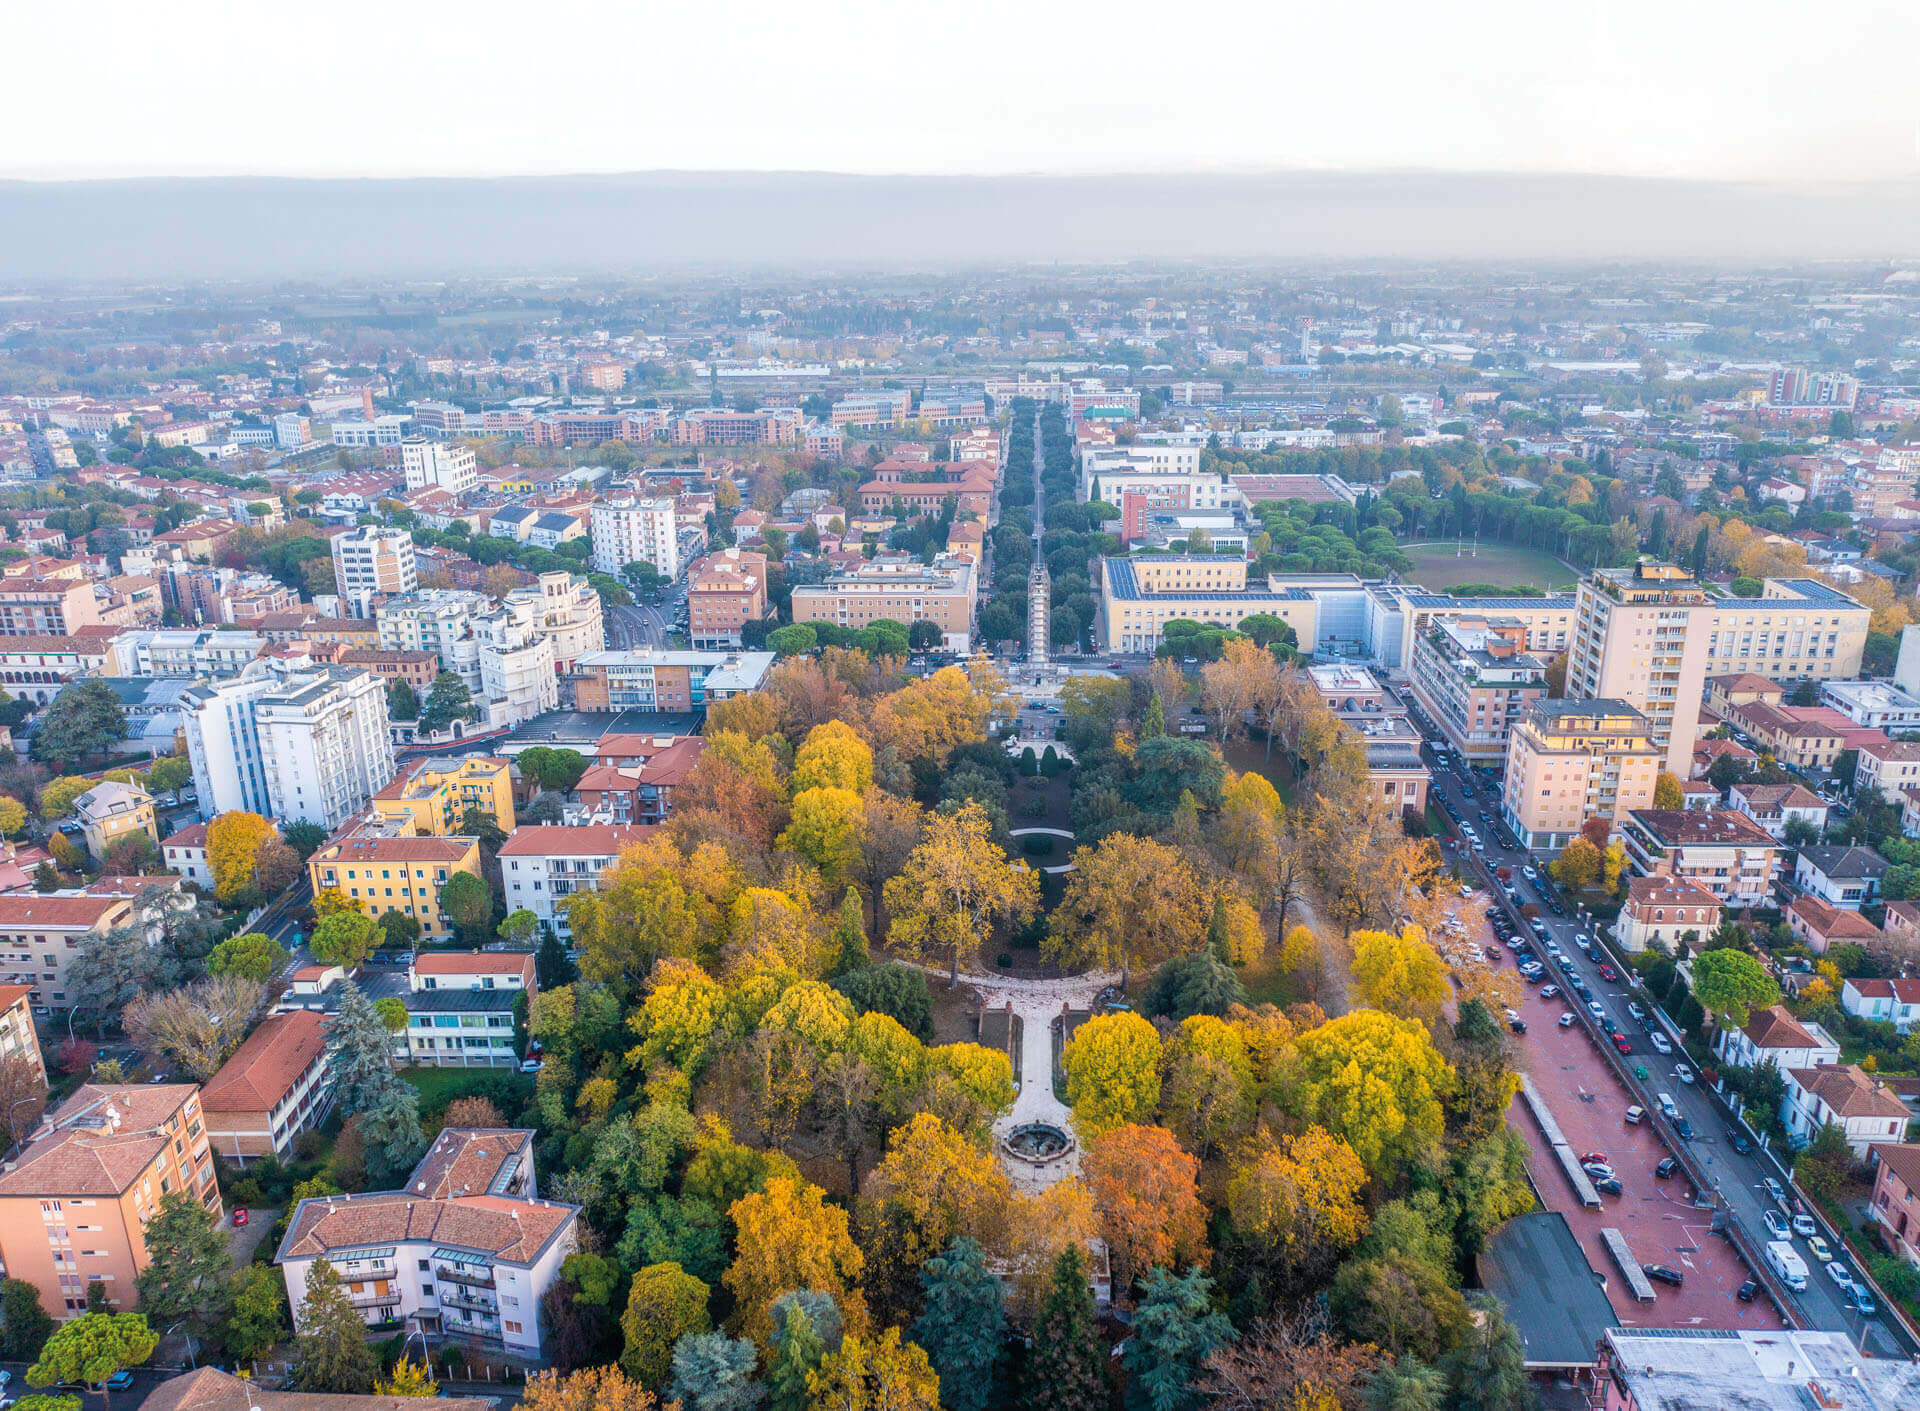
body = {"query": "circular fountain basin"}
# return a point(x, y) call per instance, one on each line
point(1037, 1143)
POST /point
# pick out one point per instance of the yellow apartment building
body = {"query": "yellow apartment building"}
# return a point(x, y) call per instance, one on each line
point(377, 872)
point(432, 795)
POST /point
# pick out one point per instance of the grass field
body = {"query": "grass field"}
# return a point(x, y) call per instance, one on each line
point(1437, 566)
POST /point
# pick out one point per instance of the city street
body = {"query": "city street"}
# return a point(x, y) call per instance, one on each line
point(629, 628)
point(1736, 1179)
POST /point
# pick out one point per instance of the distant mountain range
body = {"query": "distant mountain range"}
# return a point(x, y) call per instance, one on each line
point(252, 228)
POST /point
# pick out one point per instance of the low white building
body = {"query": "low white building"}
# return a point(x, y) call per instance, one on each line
point(542, 865)
point(1772, 1035)
point(1861, 1106)
point(1895, 1002)
point(1877, 705)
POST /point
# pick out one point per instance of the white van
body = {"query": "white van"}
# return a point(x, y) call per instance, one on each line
point(1791, 1268)
point(1667, 1109)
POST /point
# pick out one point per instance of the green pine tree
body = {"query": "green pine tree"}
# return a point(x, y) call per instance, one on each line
point(797, 1356)
point(1068, 1367)
point(360, 1053)
point(190, 1277)
point(850, 936)
point(1174, 1331)
point(1487, 1371)
point(1217, 930)
point(961, 1325)
point(331, 1348)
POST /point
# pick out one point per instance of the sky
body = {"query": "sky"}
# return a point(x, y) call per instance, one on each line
point(1742, 90)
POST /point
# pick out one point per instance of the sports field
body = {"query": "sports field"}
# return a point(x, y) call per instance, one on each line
point(1444, 565)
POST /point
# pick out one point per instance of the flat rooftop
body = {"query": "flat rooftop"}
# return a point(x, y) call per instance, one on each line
point(1699, 1370)
point(1554, 1298)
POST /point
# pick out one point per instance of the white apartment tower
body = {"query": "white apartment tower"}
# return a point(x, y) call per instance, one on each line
point(633, 529)
point(223, 742)
point(371, 562)
point(517, 675)
point(443, 465)
point(324, 744)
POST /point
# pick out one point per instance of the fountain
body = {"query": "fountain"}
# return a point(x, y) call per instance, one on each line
point(1037, 1143)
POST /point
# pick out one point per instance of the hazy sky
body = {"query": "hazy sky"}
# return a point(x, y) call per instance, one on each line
point(1740, 89)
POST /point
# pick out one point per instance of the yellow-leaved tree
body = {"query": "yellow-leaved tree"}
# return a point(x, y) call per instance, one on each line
point(879, 1374)
point(1112, 1065)
point(826, 827)
point(1129, 901)
point(931, 717)
point(1299, 1205)
point(833, 756)
point(1399, 973)
point(935, 1186)
point(790, 1238)
point(955, 888)
point(1666, 791)
point(233, 850)
point(1376, 1082)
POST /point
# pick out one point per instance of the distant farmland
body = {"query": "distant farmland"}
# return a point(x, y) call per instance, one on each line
point(1438, 566)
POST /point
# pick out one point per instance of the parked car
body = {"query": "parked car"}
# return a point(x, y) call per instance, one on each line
point(1599, 1156)
point(1738, 1141)
point(1660, 1042)
point(1636, 1115)
point(1683, 1073)
point(1775, 1192)
point(1776, 1224)
point(1608, 1185)
point(119, 1381)
point(1608, 973)
point(1666, 1168)
point(1621, 1042)
point(532, 1065)
point(1820, 1249)
point(239, 1216)
point(1639, 1014)
point(1566, 1020)
point(1684, 1128)
point(1519, 1026)
point(1841, 1275)
point(1804, 1227)
point(1599, 1170)
point(1594, 1008)
point(1748, 1291)
point(1550, 992)
point(1862, 1301)
point(1666, 1274)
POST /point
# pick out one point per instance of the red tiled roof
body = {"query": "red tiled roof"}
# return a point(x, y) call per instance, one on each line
point(1773, 1027)
point(472, 962)
point(510, 1229)
point(1848, 1091)
point(19, 909)
point(264, 1068)
point(194, 835)
point(557, 840)
point(467, 1160)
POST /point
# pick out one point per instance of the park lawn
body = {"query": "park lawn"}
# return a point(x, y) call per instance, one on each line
point(1439, 566)
point(438, 1086)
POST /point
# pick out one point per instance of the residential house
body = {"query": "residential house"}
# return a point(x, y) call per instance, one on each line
point(1665, 910)
point(472, 970)
point(1887, 765)
point(210, 1389)
point(1860, 1105)
point(469, 1267)
point(1707, 752)
point(541, 866)
point(75, 1204)
point(1774, 806)
point(459, 1027)
point(274, 1087)
point(1819, 925)
point(1846, 877)
point(110, 811)
point(1772, 1035)
point(1895, 1002)
point(1725, 694)
point(1724, 851)
point(185, 853)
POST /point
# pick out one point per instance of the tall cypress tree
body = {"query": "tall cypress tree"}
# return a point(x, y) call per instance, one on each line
point(850, 935)
point(1068, 1368)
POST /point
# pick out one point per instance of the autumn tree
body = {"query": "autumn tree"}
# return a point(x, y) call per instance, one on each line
point(1399, 973)
point(933, 1187)
point(658, 900)
point(789, 1238)
point(1112, 1066)
point(930, 717)
point(23, 1091)
point(1245, 678)
point(664, 1305)
point(408, 1379)
point(196, 1027)
point(1129, 901)
point(833, 756)
point(1208, 1092)
point(586, 1389)
point(1298, 1207)
point(234, 840)
point(1666, 792)
point(1150, 1211)
point(955, 888)
point(879, 1374)
point(825, 827)
point(1292, 1363)
point(1376, 1082)
point(1579, 866)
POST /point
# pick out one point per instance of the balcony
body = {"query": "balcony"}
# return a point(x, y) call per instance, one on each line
point(479, 1275)
point(374, 1300)
point(458, 1297)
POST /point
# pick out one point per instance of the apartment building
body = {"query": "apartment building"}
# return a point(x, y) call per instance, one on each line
point(371, 562)
point(1476, 680)
point(665, 681)
point(379, 869)
point(1568, 761)
point(439, 465)
point(75, 1204)
point(878, 409)
point(110, 811)
point(1395, 769)
point(722, 426)
point(564, 609)
point(1863, 1107)
point(472, 1267)
point(477, 1161)
point(17, 1036)
point(47, 607)
point(1650, 635)
point(387, 430)
point(1774, 806)
point(725, 591)
point(431, 796)
point(541, 867)
point(1725, 852)
point(1839, 875)
point(1139, 595)
point(437, 620)
point(637, 787)
point(905, 488)
point(40, 935)
point(472, 970)
point(1802, 737)
point(274, 1087)
point(223, 742)
point(1889, 766)
point(1663, 911)
point(1895, 1205)
point(635, 529)
point(900, 588)
point(1689, 1369)
point(34, 669)
point(417, 669)
point(324, 745)
point(517, 676)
